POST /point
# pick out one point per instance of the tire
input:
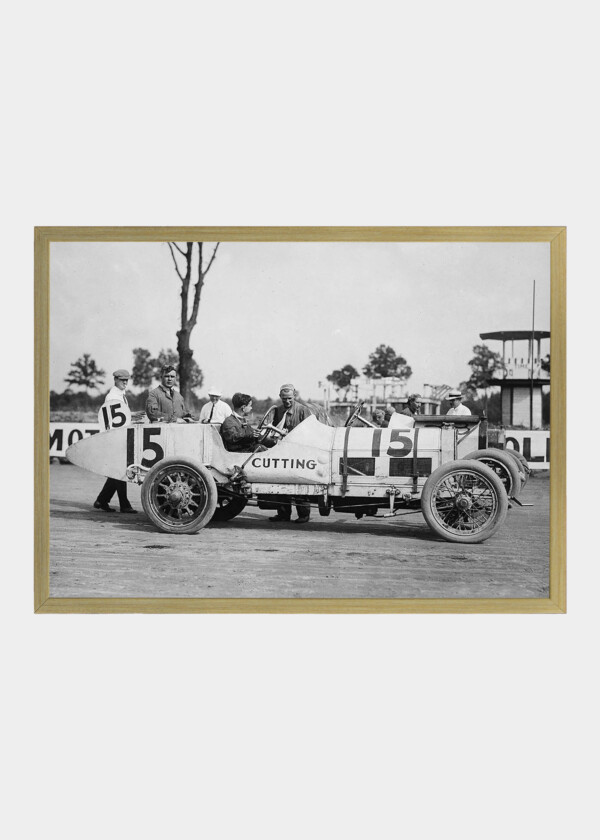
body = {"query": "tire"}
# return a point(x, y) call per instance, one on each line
point(503, 465)
point(228, 507)
point(524, 467)
point(464, 501)
point(179, 496)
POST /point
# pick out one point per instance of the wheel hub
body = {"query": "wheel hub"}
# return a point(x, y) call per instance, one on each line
point(179, 495)
point(463, 502)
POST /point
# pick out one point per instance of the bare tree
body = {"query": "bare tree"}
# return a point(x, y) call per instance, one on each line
point(188, 319)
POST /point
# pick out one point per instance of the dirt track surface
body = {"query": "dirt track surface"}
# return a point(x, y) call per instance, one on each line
point(96, 554)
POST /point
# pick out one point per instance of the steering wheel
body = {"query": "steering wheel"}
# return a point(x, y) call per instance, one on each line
point(263, 422)
point(354, 414)
point(270, 431)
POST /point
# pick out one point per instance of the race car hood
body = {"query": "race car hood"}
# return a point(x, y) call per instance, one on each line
point(302, 457)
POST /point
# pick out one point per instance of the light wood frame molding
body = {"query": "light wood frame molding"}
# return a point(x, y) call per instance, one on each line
point(555, 603)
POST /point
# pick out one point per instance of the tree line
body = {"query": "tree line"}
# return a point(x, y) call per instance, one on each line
point(383, 362)
point(86, 374)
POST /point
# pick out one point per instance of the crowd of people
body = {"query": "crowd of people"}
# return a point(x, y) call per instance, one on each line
point(166, 404)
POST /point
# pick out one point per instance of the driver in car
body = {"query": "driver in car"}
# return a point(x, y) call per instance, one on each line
point(237, 433)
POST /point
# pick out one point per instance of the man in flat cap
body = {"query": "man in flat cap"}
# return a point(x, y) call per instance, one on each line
point(165, 403)
point(455, 398)
point(287, 416)
point(112, 485)
point(216, 410)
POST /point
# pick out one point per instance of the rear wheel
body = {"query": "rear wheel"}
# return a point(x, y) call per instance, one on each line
point(228, 507)
point(503, 465)
point(464, 502)
point(524, 468)
point(179, 496)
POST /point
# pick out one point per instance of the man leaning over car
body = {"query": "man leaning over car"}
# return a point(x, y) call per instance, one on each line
point(288, 415)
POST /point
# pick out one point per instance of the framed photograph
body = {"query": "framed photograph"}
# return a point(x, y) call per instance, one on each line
point(300, 420)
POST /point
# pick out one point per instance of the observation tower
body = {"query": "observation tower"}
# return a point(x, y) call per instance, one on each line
point(523, 377)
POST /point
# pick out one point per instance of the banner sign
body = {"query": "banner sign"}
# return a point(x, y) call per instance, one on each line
point(63, 435)
point(533, 446)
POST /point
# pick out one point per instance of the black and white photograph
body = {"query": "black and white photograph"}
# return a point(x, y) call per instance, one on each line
point(300, 419)
point(310, 388)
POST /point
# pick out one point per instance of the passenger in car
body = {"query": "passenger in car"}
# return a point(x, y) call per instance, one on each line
point(379, 418)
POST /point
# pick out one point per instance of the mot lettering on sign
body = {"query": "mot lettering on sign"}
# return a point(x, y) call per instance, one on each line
point(63, 435)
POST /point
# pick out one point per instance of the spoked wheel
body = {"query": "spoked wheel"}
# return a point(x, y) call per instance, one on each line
point(228, 507)
point(524, 468)
point(464, 501)
point(179, 496)
point(504, 465)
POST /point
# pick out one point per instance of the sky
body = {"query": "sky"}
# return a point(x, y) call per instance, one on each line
point(279, 312)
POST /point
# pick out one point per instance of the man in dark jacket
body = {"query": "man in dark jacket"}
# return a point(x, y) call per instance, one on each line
point(287, 416)
point(413, 405)
point(237, 433)
point(165, 403)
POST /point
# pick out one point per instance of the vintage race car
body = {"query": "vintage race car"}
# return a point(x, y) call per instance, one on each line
point(440, 465)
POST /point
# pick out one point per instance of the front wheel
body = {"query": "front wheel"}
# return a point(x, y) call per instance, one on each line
point(179, 496)
point(464, 501)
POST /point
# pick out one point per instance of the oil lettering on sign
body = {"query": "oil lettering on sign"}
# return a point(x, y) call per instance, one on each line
point(525, 443)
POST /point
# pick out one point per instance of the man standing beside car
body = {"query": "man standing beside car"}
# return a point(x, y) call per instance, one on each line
point(287, 416)
point(113, 485)
point(165, 403)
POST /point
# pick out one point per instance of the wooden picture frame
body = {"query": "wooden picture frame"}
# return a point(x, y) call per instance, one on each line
point(555, 603)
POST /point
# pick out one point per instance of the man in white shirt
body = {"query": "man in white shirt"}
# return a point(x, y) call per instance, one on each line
point(455, 399)
point(117, 392)
point(216, 410)
point(112, 485)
